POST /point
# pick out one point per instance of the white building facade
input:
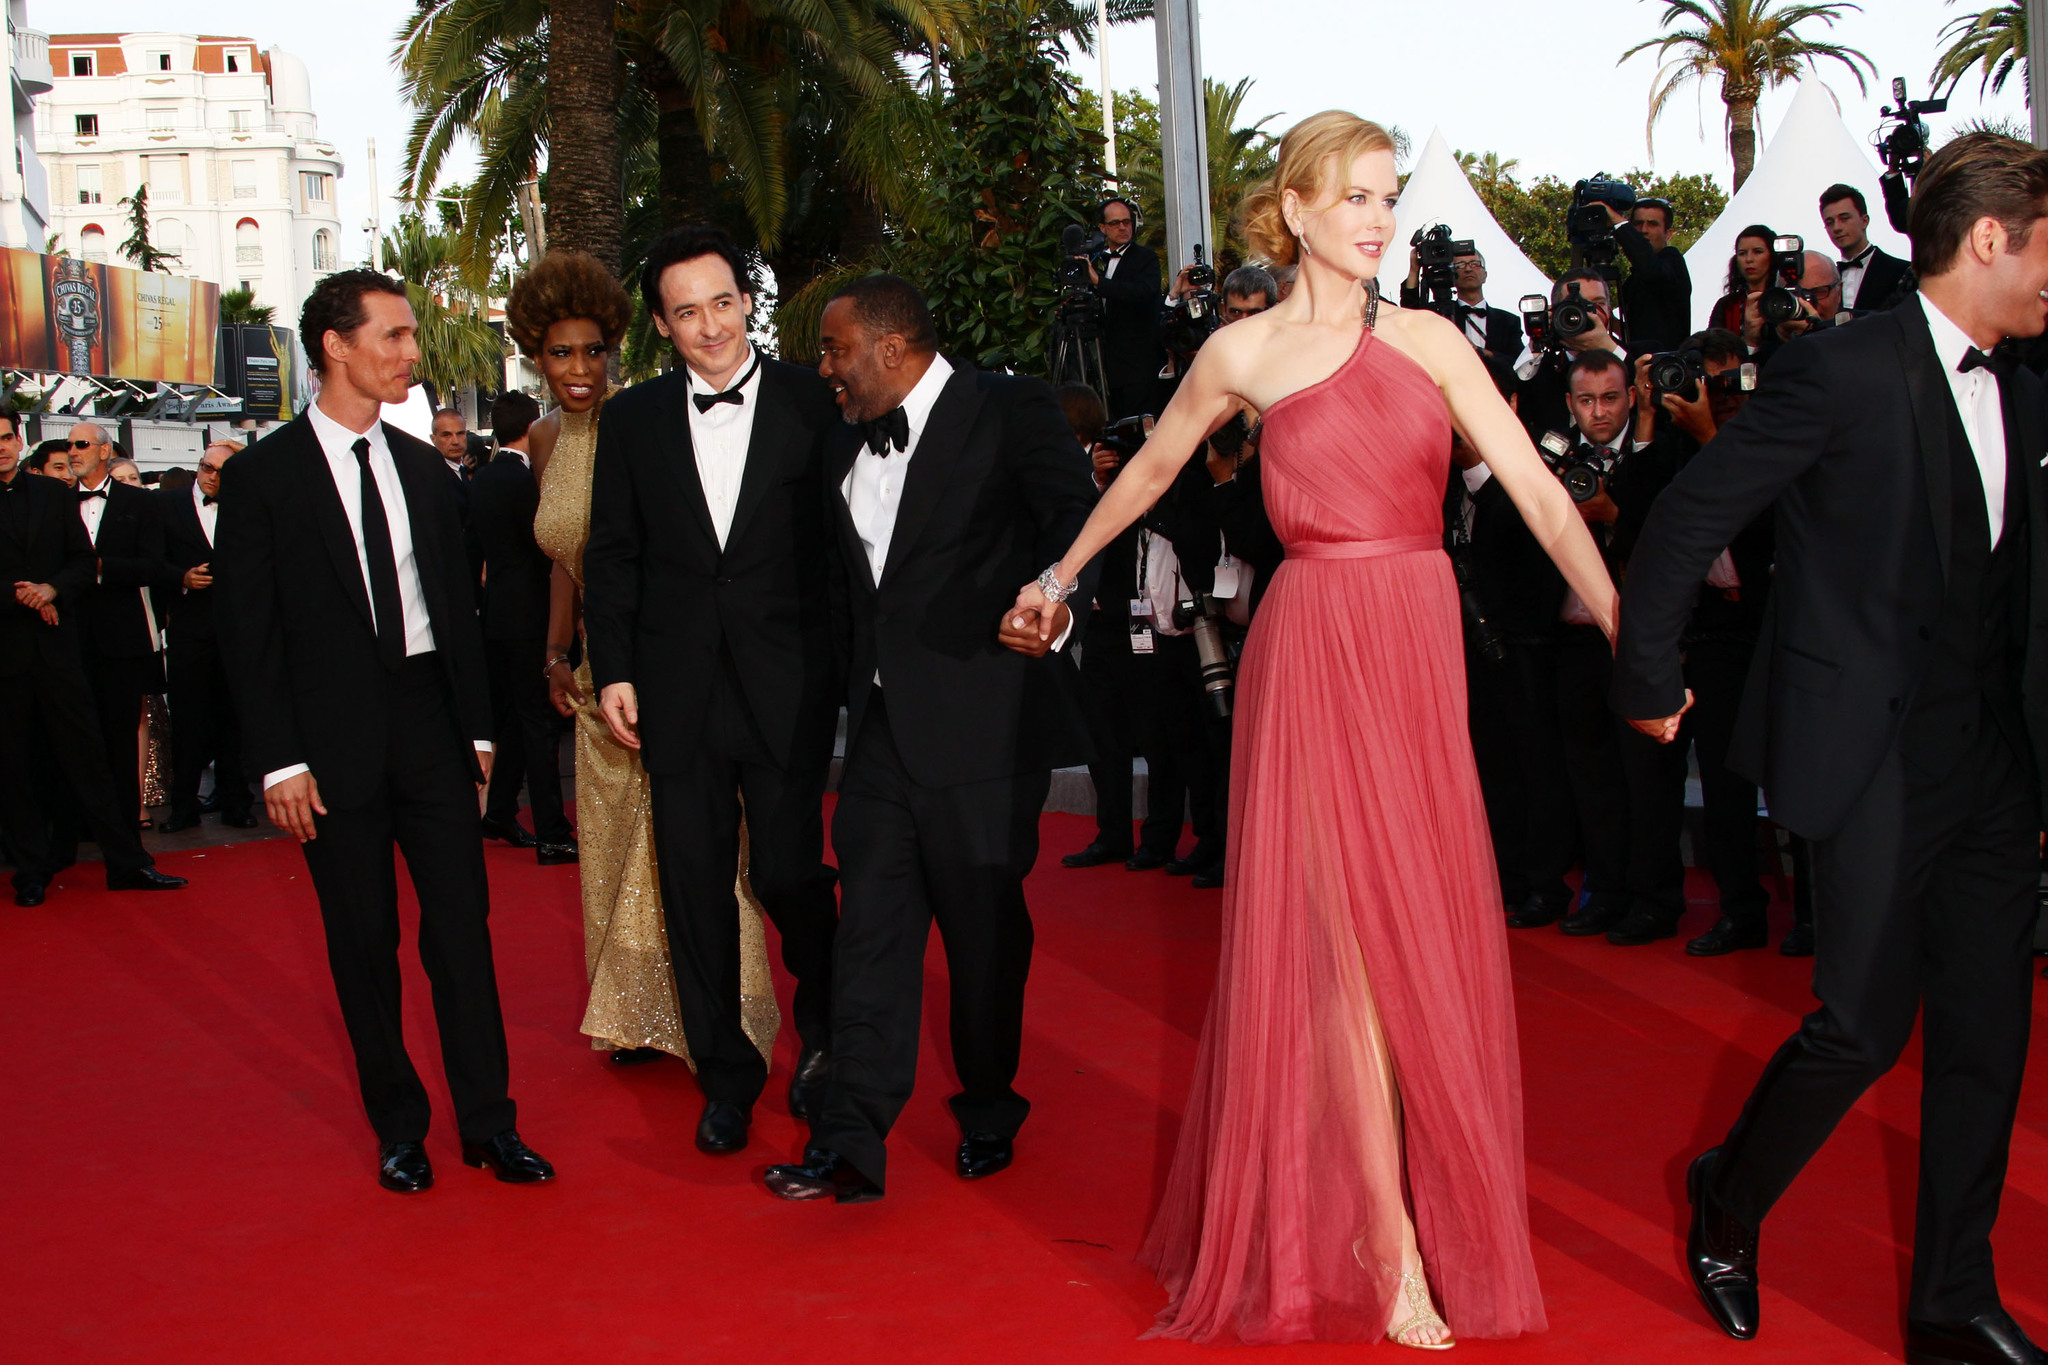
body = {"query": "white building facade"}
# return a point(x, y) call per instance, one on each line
point(24, 184)
point(223, 133)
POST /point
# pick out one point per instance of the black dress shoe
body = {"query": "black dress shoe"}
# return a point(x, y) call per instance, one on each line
point(143, 879)
point(1720, 1252)
point(1095, 855)
point(1209, 878)
point(1596, 916)
point(403, 1166)
point(28, 892)
point(180, 821)
point(1988, 1339)
point(511, 1160)
point(507, 831)
point(723, 1128)
point(1798, 942)
point(807, 1086)
point(211, 805)
point(821, 1175)
point(1145, 860)
point(554, 855)
point(636, 1056)
point(1642, 926)
point(1727, 936)
point(239, 819)
point(983, 1154)
point(1535, 912)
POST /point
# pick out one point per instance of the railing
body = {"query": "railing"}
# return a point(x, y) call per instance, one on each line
point(248, 255)
point(88, 196)
point(32, 60)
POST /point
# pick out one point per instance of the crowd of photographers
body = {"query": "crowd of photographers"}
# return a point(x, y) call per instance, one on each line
point(1618, 393)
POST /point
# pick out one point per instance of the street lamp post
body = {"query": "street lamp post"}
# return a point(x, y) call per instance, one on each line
point(2037, 60)
point(1183, 132)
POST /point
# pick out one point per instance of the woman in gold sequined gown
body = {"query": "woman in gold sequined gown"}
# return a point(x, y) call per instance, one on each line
point(567, 314)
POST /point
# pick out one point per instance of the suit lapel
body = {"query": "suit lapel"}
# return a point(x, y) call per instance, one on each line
point(328, 514)
point(938, 447)
point(419, 495)
point(772, 418)
point(1934, 408)
point(841, 451)
point(681, 456)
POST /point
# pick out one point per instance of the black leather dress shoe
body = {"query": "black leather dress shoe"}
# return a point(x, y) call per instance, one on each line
point(821, 1175)
point(180, 821)
point(1596, 916)
point(1145, 860)
point(1727, 936)
point(554, 855)
point(239, 819)
point(723, 1128)
point(1095, 855)
point(28, 892)
point(403, 1166)
point(983, 1154)
point(511, 1160)
point(211, 805)
point(143, 879)
point(507, 831)
point(1798, 942)
point(1204, 855)
point(807, 1086)
point(1639, 927)
point(636, 1056)
point(1209, 878)
point(1536, 911)
point(1720, 1252)
point(1988, 1339)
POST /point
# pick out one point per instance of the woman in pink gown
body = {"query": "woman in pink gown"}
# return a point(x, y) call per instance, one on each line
point(1353, 1139)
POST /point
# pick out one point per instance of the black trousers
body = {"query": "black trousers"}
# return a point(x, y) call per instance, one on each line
point(118, 687)
point(528, 739)
point(1564, 732)
point(697, 849)
point(1105, 666)
point(204, 728)
point(51, 752)
point(1490, 721)
point(1715, 671)
point(1186, 748)
point(425, 807)
point(909, 856)
point(1924, 899)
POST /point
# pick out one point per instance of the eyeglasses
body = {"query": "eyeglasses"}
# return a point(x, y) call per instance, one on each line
point(86, 445)
point(1116, 222)
point(206, 468)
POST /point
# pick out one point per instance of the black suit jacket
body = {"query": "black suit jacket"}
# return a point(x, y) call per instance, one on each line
point(1881, 281)
point(659, 596)
point(503, 497)
point(295, 621)
point(1850, 438)
point(997, 489)
point(132, 555)
point(1656, 298)
point(41, 541)
point(1131, 303)
point(188, 612)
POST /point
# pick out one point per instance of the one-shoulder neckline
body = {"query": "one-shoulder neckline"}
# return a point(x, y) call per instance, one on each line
point(1365, 335)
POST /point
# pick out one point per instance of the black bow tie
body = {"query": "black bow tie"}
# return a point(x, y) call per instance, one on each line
point(99, 492)
point(205, 501)
point(1848, 261)
point(891, 429)
point(734, 395)
point(1997, 362)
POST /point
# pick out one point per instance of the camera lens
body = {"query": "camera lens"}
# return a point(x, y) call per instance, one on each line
point(1582, 481)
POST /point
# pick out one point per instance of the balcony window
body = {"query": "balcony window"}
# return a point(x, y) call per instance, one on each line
point(87, 125)
point(92, 244)
point(239, 120)
point(88, 184)
point(237, 60)
point(163, 120)
point(81, 64)
point(160, 60)
point(315, 186)
point(166, 179)
point(245, 179)
point(248, 243)
point(323, 250)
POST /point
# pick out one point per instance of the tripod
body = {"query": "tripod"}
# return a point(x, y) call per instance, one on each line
point(1077, 343)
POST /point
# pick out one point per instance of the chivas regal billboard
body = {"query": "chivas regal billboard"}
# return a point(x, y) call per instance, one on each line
point(66, 316)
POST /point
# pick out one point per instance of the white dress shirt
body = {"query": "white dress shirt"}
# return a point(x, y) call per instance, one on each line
point(1115, 258)
point(719, 436)
point(209, 513)
point(1852, 276)
point(1976, 395)
point(337, 443)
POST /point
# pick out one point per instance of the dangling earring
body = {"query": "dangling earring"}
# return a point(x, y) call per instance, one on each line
point(1301, 240)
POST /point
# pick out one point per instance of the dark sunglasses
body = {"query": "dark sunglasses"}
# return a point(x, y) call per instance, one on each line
point(86, 445)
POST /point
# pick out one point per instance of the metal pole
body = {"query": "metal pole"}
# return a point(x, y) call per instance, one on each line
point(1108, 95)
point(376, 212)
point(1183, 132)
point(2037, 60)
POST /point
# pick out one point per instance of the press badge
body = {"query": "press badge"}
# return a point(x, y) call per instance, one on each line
point(1141, 626)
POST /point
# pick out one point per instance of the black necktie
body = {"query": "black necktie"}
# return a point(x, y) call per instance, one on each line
point(891, 429)
point(1997, 362)
point(384, 603)
point(100, 492)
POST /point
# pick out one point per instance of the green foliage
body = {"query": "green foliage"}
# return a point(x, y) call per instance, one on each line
point(1533, 214)
point(457, 345)
point(238, 308)
point(1994, 40)
point(138, 248)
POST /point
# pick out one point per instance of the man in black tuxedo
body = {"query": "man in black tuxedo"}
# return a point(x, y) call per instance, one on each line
point(1126, 276)
point(504, 496)
point(349, 632)
point(47, 562)
point(1493, 332)
point(204, 728)
point(1896, 713)
point(954, 487)
point(708, 614)
point(120, 641)
point(1656, 298)
point(1870, 277)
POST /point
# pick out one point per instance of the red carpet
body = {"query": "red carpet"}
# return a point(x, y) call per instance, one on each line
point(189, 1176)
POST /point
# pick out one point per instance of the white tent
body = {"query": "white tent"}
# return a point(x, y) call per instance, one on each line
point(1438, 191)
point(415, 415)
point(1811, 150)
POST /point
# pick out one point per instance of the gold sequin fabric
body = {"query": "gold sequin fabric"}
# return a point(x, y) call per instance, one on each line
point(625, 940)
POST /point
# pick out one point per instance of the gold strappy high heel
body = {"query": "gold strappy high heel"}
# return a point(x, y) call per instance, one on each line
point(1420, 1314)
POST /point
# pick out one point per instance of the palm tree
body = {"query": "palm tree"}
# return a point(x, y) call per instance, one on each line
point(586, 204)
point(238, 308)
point(1486, 172)
point(457, 346)
point(1753, 45)
point(1994, 39)
point(1238, 158)
point(138, 248)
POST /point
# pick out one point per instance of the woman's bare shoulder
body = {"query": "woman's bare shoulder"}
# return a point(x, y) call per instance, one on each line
point(541, 438)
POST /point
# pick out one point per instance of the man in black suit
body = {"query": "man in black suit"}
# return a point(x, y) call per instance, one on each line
point(120, 641)
point(1656, 298)
point(1896, 713)
point(349, 630)
point(504, 496)
point(1870, 277)
point(203, 725)
point(1493, 332)
point(708, 614)
point(955, 487)
point(1126, 276)
point(47, 561)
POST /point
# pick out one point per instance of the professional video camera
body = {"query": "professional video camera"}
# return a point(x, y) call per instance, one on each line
point(1583, 474)
point(1587, 223)
point(1197, 313)
point(1436, 255)
point(1202, 615)
point(1902, 141)
point(1684, 372)
point(1782, 296)
point(1077, 317)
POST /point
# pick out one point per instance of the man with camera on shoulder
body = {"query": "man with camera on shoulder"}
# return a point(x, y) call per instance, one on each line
point(1492, 331)
point(1656, 298)
point(1124, 274)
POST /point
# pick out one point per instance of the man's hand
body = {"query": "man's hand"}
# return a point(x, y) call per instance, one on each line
point(619, 704)
point(1615, 216)
point(293, 803)
point(483, 763)
point(1030, 633)
point(1180, 284)
point(1694, 416)
point(199, 576)
point(48, 611)
point(1599, 508)
point(34, 596)
point(1594, 338)
point(1665, 730)
point(1105, 458)
point(563, 693)
point(1646, 394)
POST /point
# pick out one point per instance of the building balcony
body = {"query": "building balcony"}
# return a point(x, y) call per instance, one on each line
point(248, 255)
point(32, 60)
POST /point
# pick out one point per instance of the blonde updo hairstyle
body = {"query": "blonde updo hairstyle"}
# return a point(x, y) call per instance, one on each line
point(1314, 153)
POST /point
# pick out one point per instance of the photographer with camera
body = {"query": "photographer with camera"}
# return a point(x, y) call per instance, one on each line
point(1871, 278)
point(1492, 331)
point(1656, 298)
point(1739, 309)
point(1580, 319)
point(1817, 294)
point(1125, 275)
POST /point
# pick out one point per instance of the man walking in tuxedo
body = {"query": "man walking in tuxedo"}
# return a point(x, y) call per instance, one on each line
point(947, 487)
point(46, 560)
point(706, 604)
point(1870, 277)
point(504, 496)
point(349, 630)
point(1896, 715)
point(203, 725)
